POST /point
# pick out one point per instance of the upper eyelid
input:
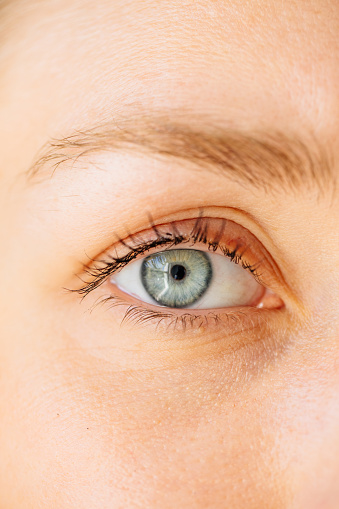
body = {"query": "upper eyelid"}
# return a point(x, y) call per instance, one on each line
point(162, 240)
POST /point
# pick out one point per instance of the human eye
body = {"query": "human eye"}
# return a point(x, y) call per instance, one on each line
point(196, 272)
point(189, 278)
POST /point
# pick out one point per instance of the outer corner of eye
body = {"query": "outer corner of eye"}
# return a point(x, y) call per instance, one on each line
point(193, 279)
point(270, 300)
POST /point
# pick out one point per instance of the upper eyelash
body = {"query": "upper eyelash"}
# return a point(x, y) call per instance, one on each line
point(199, 234)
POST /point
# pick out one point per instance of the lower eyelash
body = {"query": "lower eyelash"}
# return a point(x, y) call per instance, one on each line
point(137, 315)
point(134, 314)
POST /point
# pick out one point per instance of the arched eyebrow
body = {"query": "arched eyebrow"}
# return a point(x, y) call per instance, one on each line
point(269, 161)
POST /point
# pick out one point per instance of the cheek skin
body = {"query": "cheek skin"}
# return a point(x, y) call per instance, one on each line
point(108, 438)
point(115, 438)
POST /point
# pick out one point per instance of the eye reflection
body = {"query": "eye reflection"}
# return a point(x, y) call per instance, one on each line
point(189, 278)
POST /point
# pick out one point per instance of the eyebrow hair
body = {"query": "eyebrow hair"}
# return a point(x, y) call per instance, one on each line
point(264, 160)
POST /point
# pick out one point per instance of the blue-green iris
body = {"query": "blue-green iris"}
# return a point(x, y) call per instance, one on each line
point(177, 278)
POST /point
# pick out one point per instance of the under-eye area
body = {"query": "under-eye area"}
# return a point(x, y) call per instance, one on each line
point(194, 273)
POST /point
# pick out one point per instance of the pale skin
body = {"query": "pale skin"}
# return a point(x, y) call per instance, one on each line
point(95, 414)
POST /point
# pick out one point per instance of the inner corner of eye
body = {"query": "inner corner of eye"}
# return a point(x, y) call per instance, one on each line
point(189, 278)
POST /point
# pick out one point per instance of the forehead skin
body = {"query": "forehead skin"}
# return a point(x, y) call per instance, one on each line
point(276, 59)
point(68, 65)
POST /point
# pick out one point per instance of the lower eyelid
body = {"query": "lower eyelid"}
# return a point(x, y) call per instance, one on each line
point(162, 323)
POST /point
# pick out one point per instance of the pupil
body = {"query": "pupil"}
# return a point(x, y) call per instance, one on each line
point(178, 272)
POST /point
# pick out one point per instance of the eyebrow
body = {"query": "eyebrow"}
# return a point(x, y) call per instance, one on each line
point(269, 161)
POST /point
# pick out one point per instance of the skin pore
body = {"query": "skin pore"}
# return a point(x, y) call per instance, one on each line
point(119, 119)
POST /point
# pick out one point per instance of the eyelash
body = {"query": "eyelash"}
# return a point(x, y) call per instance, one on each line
point(172, 239)
point(139, 315)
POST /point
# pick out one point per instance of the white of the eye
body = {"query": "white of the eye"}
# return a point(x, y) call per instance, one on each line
point(231, 285)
